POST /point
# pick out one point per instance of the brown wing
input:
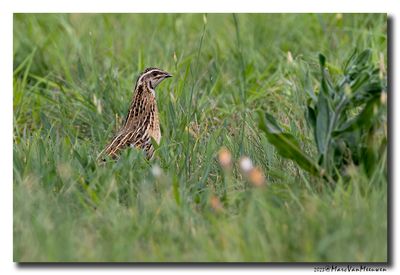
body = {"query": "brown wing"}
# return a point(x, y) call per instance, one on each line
point(125, 139)
point(138, 138)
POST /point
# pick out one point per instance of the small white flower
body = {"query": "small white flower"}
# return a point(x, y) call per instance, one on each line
point(156, 171)
point(245, 164)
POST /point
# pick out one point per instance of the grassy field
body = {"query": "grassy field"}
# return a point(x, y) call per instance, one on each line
point(73, 81)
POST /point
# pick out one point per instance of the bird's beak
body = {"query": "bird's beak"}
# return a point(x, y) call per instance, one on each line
point(168, 75)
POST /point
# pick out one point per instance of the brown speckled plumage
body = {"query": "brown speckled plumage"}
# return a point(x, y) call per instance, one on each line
point(142, 122)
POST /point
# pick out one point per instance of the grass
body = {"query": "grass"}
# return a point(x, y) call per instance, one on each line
point(73, 80)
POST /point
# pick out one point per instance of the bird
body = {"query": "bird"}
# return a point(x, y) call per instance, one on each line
point(142, 122)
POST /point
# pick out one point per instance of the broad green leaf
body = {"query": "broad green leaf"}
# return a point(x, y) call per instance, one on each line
point(326, 84)
point(364, 57)
point(308, 87)
point(322, 60)
point(311, 117)
point(361, 121)
point(271, 124)
point(361, 80)
point(350, 61)
point(286, 145)
point(367, 91)
point(322, 122)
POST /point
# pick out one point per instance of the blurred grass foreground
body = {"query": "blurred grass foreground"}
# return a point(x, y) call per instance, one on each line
point(219, 189)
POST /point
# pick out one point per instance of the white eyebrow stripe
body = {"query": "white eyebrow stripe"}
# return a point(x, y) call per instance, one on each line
point(140, 79)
